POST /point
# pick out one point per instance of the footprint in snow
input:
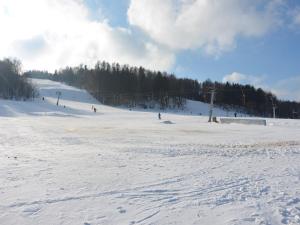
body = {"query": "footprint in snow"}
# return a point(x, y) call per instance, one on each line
point(32, 210)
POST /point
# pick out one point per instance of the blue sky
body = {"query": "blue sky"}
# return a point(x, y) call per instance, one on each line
point(249, 41)
point(114, 10)
point(276, 54)
point(274, 57)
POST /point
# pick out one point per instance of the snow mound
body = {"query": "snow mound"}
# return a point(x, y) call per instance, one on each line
point(167, 122)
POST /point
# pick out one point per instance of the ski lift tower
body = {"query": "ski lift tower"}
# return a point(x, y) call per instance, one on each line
point(243, 96)
point(58, 93)
point(274, 108)
point(295, 114)
point(212, 97)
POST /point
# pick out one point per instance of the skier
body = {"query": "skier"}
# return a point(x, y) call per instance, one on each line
point(159, 116)
point(95, 110)
point(235, 114)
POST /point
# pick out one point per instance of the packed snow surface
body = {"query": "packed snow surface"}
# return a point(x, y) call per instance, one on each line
point(69, 165)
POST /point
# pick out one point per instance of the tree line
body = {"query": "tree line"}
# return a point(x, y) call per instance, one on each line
point(116, 84)
point(247, 98)
point(12, 84)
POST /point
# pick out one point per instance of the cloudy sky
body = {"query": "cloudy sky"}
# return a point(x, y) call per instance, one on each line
point(245, 41)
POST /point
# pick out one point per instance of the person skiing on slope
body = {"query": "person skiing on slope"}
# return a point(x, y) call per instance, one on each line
point(159, 116)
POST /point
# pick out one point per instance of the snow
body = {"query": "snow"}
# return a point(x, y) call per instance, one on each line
point(201, 108)
point(73, 166)
point(191, 108)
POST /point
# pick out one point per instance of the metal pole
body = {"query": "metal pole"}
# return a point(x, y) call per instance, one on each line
point(212, 96)
point(274, 112)
point(274, 108)
point(244, 97)
point(58, 96)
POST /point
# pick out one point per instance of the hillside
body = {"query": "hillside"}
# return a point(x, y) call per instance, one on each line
point(124, 85)
point(116, 166)
point(79, 102)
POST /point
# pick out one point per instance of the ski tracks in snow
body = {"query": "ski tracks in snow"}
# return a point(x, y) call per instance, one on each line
point(120, 167)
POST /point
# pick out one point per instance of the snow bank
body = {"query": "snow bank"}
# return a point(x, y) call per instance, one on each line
point(252, 121)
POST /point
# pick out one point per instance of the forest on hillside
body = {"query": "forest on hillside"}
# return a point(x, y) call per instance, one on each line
point(115, 84)
point(12, 84)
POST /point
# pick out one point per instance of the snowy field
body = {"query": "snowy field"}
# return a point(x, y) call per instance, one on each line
point(72, 166)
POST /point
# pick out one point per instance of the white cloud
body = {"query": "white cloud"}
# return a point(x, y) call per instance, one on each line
point(210, 24)
point(236, 77)
point(48, 34)
point(288, 88)
point(297, 17)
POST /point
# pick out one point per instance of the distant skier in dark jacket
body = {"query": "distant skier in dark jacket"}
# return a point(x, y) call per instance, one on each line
point(159, 116)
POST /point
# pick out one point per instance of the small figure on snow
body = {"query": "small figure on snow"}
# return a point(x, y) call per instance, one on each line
point(159, 116)
point(43, 98)
point(235, 114)
point(95, 110)
point(215, 119)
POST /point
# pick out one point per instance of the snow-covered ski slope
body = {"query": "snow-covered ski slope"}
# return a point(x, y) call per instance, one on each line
point(78, 103)
point(71, 166)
